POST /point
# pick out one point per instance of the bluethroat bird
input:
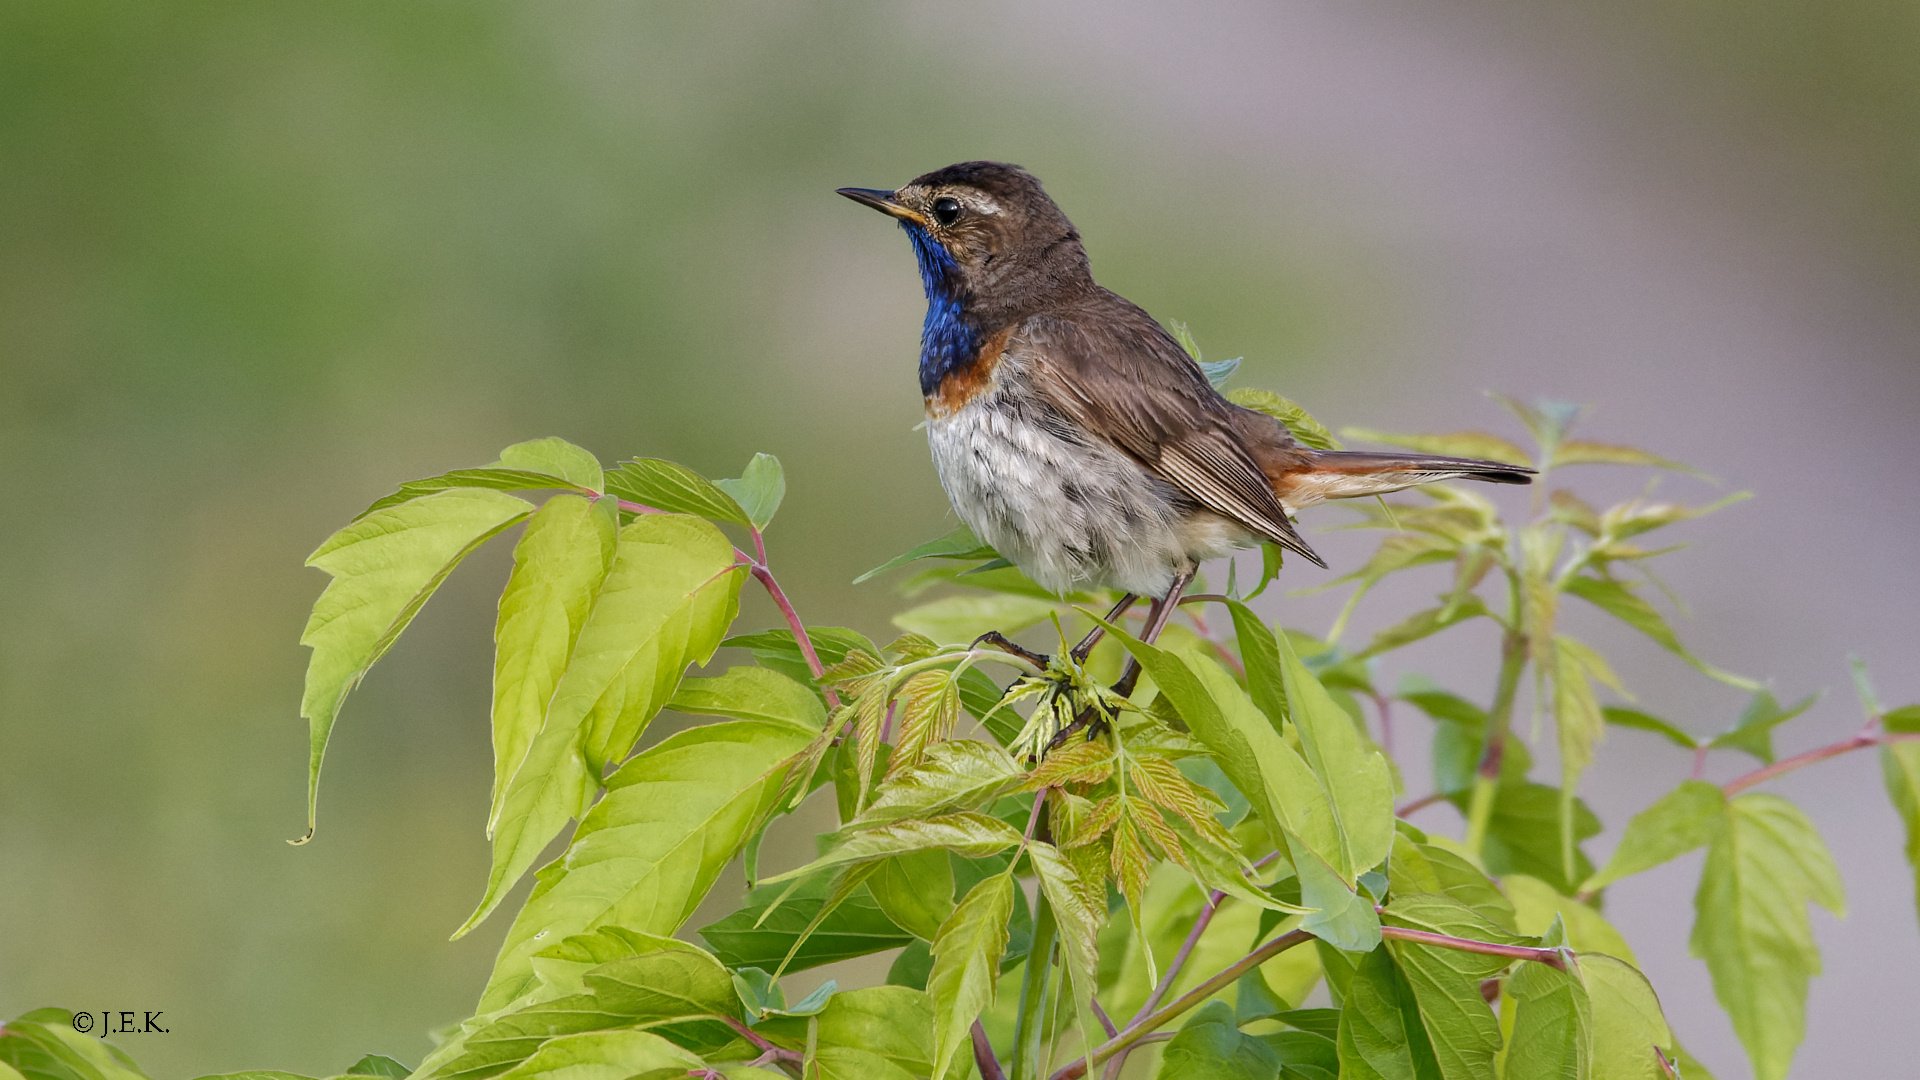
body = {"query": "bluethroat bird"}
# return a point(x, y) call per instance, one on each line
point(1072, 432)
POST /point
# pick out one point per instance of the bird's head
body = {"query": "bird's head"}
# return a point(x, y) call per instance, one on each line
point(988, 238)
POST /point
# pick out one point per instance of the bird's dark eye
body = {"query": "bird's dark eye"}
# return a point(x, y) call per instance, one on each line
point(946, 210)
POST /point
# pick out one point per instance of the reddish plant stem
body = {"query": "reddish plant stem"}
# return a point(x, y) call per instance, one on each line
point(1420, 803)
point(1385, 705)
point(1214, 899)
point(1780, 768)
point(1100, 1014)
point(750, 1035)
point(1553, 958)
point(1699, 762)
point(983, 1055)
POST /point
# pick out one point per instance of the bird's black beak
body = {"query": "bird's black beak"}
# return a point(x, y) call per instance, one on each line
point(882, 201)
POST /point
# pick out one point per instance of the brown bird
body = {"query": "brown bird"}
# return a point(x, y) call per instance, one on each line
point(1072, 432)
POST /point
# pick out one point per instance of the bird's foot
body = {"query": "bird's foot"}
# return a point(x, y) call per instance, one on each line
point(1000, 641)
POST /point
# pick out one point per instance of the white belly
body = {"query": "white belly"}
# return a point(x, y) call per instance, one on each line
point(1071, 512)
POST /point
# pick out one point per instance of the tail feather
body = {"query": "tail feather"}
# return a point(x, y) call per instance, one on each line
point(1346, 474)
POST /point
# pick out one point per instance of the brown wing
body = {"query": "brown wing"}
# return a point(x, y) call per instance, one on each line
point(1112, 369)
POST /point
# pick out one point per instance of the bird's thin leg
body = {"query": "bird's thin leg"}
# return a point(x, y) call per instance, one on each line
point(1157, 618)
point(1000, 641)
point(1085, 648)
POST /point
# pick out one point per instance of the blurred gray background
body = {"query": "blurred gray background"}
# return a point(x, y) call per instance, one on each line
point(261, 262)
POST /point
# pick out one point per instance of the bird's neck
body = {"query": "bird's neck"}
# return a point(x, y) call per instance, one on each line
point(951, 340)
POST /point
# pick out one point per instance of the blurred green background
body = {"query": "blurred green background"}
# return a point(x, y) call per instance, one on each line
point(260, 262)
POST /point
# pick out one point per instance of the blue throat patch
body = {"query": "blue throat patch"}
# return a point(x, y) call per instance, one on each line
point(948, 343)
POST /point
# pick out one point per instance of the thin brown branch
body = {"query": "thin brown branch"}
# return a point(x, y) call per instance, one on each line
point(983, 1055)
point(1420, 803)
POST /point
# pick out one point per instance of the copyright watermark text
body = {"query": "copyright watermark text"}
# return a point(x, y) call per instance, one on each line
point(123, 1022)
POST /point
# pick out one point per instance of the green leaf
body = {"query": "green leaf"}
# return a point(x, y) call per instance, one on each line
point(647, 853)
point(492, 479)
point(675, 489)
point(956, 620)
point(1582, 452)
point(1341, 917)
point(384, 566)
point(1537, 904)
point(1753, 732)
point(959, 774)
point(1446, 982)
point(379, 1065)
point(755, 937)
point(1552, 1025)
point(1080, 911)
point(958, 544)
point(1523, 836)
point(915, 890)
point(968, 834)
point(1299, 423)
point(1260, 652)
point(1683, 819)
point(751, 693)
point(1900, 767)
point(1463, 444)
point(557, 458)
point(665, 603)
point(1902, 721)
point(1417, 867)
point(602, 1055)
point(1634, 718)
point(1355, 776)
point(42, 1045)
point(885, 1030)
point(777, 650)
point(1421, 625)
point(1627, 1021)
point(1763, 867)
point(558, 567)
point(1618, 599)
point(759, 489)
point(1210, 1047)
point(966, 964)
point(1381, 1036)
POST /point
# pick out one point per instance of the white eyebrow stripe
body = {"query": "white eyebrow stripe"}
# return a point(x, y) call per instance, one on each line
point(985, 204)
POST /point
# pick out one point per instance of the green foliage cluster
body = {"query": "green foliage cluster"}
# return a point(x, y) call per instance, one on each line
point(1066, 876)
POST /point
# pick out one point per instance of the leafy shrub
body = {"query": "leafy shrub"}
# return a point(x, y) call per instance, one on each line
point(1065, 876)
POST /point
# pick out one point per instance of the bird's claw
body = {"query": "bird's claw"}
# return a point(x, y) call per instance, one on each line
point(1000, 641)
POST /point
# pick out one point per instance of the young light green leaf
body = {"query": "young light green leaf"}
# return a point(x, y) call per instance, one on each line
point(1765, 864)
point(1446, 982)
point(557, 458)
point(1900, 768)
point(1537, 904)
point(1618, 599)
point(915, 890)
point(1340, 916)
point(955, 620)
point(759, 489)
point(1753, 732)
point(1634, 718)
point(1628, 1023)
point(491, 479)
point(1422, 867)
point(1299, 423)
point(1464, 444)
point(43, 1045)
point(676, 489)
point(1524, 835)
point(960, 774)
point(751, 693)
point(1380, 1035)
point(647, 853)
point(958, 544)
point(1079, 912)
point(967, 834)
point(1552, 1025)
point(602, 1055)
point(1904, 720)
point(880, 1032)
point(1421, 625)
point(1355, 776)
point(966, 964)
point(1683, 819)
point(384, 566)
point(755, 936)
point(558, 566)
point(1578, 722)
point(665, 603)
point(379, 1065)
